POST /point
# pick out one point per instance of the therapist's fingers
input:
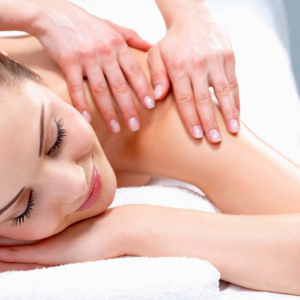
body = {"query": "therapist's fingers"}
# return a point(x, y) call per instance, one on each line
point(186, 104)
point(102, 96)
point(229, 66)
point(122, 94)
point(205, 108)
point(225, 97)
point(159, 76)
point(74, 79)
point(137, 78)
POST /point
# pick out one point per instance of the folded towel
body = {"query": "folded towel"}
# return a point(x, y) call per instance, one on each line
point(127, 277)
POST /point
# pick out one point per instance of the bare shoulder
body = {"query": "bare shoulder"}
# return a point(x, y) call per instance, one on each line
point(128, 179)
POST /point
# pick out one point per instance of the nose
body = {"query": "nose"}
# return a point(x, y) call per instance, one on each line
point(68, 183)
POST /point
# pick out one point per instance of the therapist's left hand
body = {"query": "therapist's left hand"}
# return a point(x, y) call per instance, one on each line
point(195, 54)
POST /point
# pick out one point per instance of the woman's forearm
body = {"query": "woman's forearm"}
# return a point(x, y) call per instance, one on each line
point(256, 252)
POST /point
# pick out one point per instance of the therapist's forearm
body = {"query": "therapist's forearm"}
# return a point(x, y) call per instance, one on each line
point(179, 10)
point(18, 15)
point(256, 252)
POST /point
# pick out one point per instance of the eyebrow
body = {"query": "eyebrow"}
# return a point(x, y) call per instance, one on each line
point(41, 130)
point(7, 206)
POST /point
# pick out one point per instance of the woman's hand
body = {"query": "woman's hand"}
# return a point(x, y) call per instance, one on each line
point(85, 45)
point(195, 54)
point(102, 237)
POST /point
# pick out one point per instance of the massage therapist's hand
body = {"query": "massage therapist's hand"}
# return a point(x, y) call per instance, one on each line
point(195, 54)
point(101, 237)
point(84, 45)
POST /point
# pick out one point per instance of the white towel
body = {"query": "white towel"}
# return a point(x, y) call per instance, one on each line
point(127, 277)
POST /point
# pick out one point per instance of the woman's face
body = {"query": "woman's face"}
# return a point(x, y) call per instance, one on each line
point(52, 173)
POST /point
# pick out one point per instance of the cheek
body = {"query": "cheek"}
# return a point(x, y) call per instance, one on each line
point(35, 228)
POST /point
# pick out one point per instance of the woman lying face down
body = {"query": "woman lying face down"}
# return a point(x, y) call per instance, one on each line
point(51, 160)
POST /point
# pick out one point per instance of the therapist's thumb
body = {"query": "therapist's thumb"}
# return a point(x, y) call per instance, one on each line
point(159, 75)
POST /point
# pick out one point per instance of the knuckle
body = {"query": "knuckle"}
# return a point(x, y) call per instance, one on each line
point(115, 40)
point(203, 98)
point(223, 88)
point(74, 86)
point(158, 76)
point(100, 88)
point(185, 99)
point(130, 34)
point(229, 55)
point(199, 61)
point(134, 69)
point(120, 86)
point(176, 64)
point(209, 124)
point(104, 49)
point(233, 83)
point(108, 114)
point(86, 52)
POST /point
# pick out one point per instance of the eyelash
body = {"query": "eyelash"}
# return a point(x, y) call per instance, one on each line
point(61, 133)
point(27, 213)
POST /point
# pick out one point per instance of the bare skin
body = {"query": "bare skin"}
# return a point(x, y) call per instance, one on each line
point(241, 175)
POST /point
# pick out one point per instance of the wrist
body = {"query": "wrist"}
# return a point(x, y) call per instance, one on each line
point(183, 11)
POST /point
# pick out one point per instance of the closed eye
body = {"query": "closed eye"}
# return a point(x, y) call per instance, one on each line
point(61, 133)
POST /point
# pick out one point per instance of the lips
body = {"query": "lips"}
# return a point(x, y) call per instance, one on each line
point(94, 190)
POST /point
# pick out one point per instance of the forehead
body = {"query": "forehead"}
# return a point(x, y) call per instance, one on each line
point(19, 137)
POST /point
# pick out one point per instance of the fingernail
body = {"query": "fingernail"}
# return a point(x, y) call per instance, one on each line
point(197, 131)
point(149, 102)
point(133, 124)
point(234, 126)
point(158, 91)
point(115, 126)
point(87, 116)
point(214, 135)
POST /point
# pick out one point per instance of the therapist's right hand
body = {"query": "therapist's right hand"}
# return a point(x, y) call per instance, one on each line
point(84, 45)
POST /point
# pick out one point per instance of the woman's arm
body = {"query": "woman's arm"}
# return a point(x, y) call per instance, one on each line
point(256, 252)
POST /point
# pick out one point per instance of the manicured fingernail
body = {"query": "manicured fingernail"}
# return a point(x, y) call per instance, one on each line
point(87, 116)
point(133, 124)
point(149, 102)
point(115, 126)
point(158, 91)
point(214, 135)
point(234, 126)
point(197, 131)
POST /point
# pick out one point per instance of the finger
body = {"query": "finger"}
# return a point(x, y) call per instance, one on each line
point(186, 105)
point(159, 75)
point(131, 37)
point(102, 97)
point(225, 98)
point(137, 78)
point(205, 107)
point(231, 78)
point(120, 89)
point(76, 89)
